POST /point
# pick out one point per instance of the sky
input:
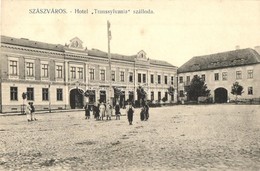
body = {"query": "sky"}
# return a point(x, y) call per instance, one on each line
point(175, 32)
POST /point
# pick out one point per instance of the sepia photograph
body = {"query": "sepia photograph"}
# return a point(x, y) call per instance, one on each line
point(132, 85)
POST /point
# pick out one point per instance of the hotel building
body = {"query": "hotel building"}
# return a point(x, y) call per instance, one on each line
point(56, 76)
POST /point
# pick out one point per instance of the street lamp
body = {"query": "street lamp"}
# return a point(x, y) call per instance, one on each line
point(49, 89)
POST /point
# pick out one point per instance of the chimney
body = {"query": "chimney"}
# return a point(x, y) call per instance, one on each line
point(237, 47)
point(257, 48)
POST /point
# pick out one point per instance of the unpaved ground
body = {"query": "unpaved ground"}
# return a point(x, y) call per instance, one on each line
point(214, 137)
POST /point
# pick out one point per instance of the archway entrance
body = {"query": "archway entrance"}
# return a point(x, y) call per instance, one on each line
point(220, 95)
point(76, 99)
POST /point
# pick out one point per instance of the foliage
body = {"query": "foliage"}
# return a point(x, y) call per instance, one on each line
point(164, 99)
point(236, 89)
point(197, 88)
point(89, 93)
point(24, 95)
point(141, 93)
point(171, 90)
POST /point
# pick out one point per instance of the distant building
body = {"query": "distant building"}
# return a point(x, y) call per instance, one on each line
point(221, 70)
point(56, 76)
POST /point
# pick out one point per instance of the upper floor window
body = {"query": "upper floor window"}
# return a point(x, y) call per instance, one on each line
point(188, 79)
point(144, 78)
point(59, 71)
point(224, 76)
point(139, 78)
point(13, 68)
point(249, 73)
point(45, 72)
point(73, 72)
point(131, 77)
point(152, 78)
point(181, 79)
point(30, 93)
point(113, 75)
point(172, 80)
point(92, 74)
point(80, 73)
point(102, 75)
point(159, 79)
point(239, 75)
point(216, 75)
point(13, 93)
point(29, 69)
point(122, 76)
point(165, 79)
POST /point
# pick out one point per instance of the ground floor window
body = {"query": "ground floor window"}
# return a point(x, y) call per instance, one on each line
point(59, 94)
point(152, 95)
point(181, 93)
point(45, 94)
point(250, 90)
point(13, 93)
point(159, 96)
point(30, 93)
point(166, 96)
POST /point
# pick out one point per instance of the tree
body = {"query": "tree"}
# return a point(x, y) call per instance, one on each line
point(197, 88)
point(171, 92)
point(141, 94)
point(236, 89)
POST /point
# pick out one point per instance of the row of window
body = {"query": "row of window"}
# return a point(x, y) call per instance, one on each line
point(77, 72)
point(160, 96)
point(30, 94)
point(224, 76)
point(142, 79)
point(249, 92)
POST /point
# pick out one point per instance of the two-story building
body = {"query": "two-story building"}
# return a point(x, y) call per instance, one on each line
point(221, 70)
point(56, 76)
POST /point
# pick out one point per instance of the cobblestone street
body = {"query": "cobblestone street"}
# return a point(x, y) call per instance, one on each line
point(212, 137)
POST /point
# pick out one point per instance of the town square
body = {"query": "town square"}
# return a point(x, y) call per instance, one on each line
point(136, 85)
point(181, 137)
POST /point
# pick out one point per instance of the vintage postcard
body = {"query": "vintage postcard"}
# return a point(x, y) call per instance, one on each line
point(130, 85)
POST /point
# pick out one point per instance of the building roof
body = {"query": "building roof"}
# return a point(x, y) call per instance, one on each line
point(233, 58)
point(31, 44)
point(57, 47)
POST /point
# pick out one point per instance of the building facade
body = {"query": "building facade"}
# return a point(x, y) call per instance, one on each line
point(57, 76)
point(220, 71)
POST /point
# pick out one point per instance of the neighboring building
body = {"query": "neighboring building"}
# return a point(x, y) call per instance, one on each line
point(55, 76)
point(221, 70)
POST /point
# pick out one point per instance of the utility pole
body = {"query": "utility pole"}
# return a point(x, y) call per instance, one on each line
point(109, 62)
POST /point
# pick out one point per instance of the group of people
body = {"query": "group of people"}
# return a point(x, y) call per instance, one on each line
point(102, 110)
point(30, 112)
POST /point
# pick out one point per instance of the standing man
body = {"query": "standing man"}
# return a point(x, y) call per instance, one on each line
point(32, 112)
point(130, 113)
point(117, 111)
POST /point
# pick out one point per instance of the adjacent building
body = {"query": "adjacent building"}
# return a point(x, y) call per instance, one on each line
point(56, 76)
point(221, 70)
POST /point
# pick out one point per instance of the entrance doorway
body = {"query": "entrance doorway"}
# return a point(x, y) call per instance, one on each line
point(220, 95)
point(102, 97)
point(122, 99)
point(76, 99)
